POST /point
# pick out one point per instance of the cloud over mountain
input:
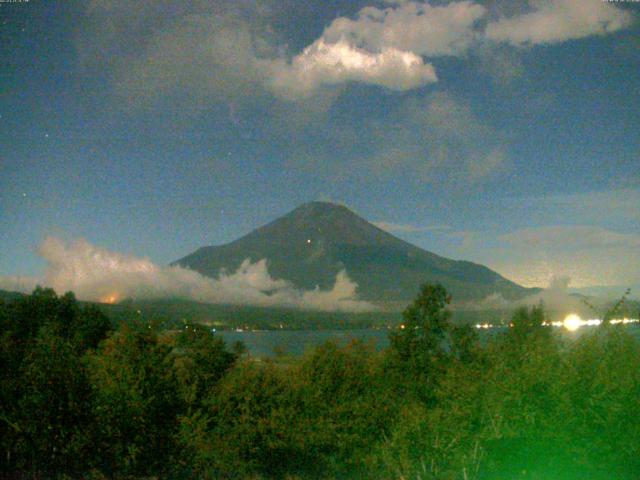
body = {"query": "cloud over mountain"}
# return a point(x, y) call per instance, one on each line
point(97, 274)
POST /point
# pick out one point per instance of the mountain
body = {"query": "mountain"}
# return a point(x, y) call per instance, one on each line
point(311, 244)
point(608, 291)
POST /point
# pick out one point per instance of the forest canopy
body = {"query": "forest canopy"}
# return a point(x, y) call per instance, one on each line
point(83, 398)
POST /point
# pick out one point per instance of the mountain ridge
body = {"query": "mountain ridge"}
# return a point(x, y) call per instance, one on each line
point(311, 244)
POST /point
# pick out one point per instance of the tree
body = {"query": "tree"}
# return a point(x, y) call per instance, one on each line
point(529, 322)
point(42, 338)
point(419, 345)
point(136, 402)
point(92, 327)
point(612, 310)
point(200, 361)
point(54, 408)
point(434, 436)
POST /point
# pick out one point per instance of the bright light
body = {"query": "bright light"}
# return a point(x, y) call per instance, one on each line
point(572, 322)
point(112, 298)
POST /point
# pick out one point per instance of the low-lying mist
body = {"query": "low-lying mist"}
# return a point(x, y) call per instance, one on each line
point(97, 274)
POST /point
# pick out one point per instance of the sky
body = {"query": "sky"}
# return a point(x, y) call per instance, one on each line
point(501, 132)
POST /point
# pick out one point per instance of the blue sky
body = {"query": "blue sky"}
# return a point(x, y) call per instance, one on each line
point(500, 132)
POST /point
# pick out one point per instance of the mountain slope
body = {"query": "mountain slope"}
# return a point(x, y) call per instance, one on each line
point(311, 244)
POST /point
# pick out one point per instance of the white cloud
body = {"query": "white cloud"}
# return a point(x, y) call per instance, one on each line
point(229, 50)
point(97, 274)
point(325, 63)
point(387, 46)
point(383, 47)
point(558, 21)
point(417, 27)
point(341, 297)
point(556, 299)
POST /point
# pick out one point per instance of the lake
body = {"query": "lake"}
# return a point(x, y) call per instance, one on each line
point(265, 343)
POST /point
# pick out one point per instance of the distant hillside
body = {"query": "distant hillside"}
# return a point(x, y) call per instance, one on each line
point(172, 313)
point(609, 291)
point(311, 244)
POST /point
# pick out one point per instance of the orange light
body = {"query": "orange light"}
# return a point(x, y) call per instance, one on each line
point(111, 298)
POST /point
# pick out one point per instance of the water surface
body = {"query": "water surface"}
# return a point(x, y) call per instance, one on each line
point(266, 343)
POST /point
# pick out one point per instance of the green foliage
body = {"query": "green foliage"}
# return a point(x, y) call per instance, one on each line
point(528, 405)
point(436, 432)
point(135, 401)
point(78, 400)
point(90, 328)
point(603, 388)
point(45, 396)
point(348, 403)
point(53, 410)
point(200, 361)
point(528, 322)
point(425, 325)
point(419, 344)
point(251, 430)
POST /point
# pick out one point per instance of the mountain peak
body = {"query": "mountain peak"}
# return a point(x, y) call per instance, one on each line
point(318, 207)
point(319, 204)
point(322, 222)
